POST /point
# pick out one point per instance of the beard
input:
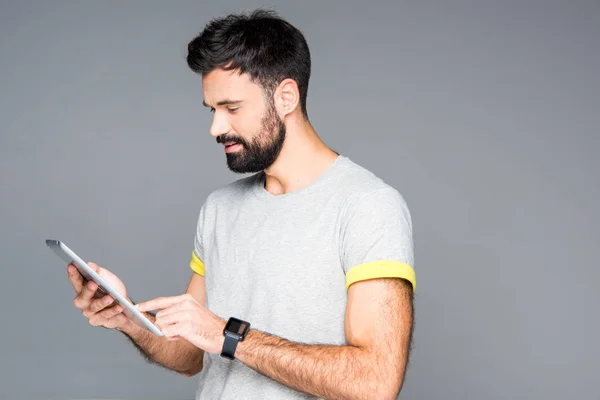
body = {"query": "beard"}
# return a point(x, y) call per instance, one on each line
point(262, 150)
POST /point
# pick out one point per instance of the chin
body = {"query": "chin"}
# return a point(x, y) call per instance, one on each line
point(244, 168)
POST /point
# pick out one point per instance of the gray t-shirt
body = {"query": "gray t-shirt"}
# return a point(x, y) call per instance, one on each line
point(284, 262)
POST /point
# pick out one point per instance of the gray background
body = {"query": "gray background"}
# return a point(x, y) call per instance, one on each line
point(483, 114)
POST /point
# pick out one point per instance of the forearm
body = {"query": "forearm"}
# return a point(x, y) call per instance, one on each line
point(332, 372)
point(180, 355)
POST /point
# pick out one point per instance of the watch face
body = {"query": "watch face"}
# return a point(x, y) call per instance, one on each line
point(236, 326)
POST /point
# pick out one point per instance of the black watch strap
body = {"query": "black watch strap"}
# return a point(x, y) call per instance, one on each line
point(229, 347)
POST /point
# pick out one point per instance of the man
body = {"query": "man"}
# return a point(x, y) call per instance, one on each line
point(303, 273)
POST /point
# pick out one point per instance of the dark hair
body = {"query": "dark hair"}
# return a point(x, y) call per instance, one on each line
point(261, 44)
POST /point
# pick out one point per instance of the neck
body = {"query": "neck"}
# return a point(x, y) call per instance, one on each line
point(303, 158)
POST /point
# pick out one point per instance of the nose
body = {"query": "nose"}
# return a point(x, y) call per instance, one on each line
point(220, 125)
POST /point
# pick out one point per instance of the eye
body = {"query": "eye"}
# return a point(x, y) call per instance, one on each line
point(212, 110)
point(233, 110)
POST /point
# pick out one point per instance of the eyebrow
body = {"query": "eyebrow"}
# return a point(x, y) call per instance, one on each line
point(225, 102)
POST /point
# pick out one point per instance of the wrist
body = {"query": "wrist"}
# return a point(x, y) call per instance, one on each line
point(233, 334)
point(220, 342)
point(243, 349)
point(128, 328)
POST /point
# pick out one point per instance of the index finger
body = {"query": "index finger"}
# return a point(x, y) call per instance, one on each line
point(75, 278)
point(159, 303)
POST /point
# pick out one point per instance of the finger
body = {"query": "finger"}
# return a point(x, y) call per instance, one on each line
point(183, 329)
point(94, 266)
point(75, 278)
point(160, 303)
point(99, 292)
point(182, 305)
point(188, 303)
point(173, 331)
point(103, 318)
point(104, 312)
point(111, 312)
point(98, 305)
point(86, 294)
point(117, 320)
point(88, 291)
point(172, 318)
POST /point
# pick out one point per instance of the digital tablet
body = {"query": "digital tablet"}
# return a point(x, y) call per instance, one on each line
point(69, 256)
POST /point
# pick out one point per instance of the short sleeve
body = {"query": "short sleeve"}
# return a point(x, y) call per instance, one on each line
point(376, 238)
point(197, 261)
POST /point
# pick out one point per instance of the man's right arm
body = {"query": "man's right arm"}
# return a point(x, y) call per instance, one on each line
point(180, 355)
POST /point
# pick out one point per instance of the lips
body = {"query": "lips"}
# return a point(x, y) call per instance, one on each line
point(231, 146)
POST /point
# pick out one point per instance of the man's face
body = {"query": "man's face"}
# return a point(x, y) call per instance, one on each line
point(244, 122)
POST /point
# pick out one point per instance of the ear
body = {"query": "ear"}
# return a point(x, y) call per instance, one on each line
point(287, 97)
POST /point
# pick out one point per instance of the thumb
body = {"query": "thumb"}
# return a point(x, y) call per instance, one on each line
point(94, 266)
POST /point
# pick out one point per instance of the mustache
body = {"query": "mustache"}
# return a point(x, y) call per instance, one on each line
point(226, 139)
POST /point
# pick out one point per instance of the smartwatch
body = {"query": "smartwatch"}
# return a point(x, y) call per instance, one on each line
point(235, 331)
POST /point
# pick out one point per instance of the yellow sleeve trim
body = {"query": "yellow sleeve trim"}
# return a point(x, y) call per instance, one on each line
point(196, 264)
point(381, 269)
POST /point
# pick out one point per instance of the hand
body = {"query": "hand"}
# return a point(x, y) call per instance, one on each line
point(183, 317)
point(96, 306)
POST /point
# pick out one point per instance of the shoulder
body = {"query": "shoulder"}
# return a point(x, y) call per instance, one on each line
point(361, 188)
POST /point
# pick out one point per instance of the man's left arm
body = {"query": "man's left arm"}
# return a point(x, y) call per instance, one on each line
point(378, 327)
point(376, 251)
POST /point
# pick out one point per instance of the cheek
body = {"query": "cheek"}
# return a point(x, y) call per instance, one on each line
point(246, 126)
